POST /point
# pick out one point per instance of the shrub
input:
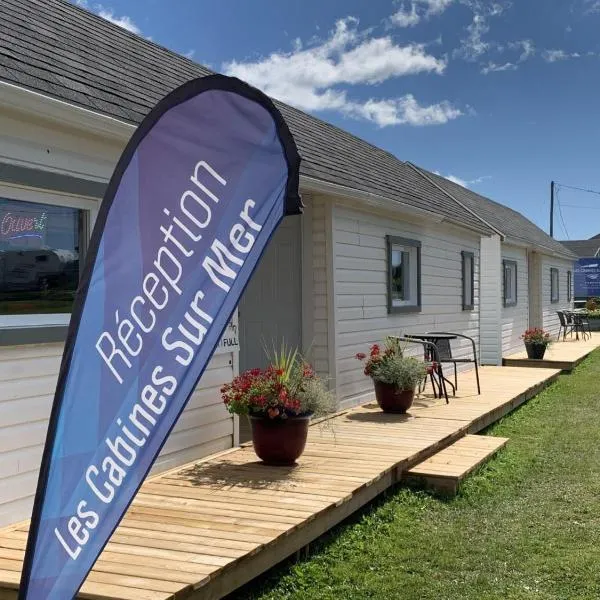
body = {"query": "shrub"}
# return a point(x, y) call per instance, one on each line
point(536, 335)
point(392, 367)
point(289, 387)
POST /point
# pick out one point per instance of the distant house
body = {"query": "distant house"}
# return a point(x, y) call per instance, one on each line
point(526, 276)
point(383, 247)
point(584, 248)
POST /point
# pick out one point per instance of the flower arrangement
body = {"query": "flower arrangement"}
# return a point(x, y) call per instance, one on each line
point(390, 366)
point(536, 336)
point(288, 387)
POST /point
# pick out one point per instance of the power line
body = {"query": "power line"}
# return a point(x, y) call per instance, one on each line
point(561, 216)
point(573, 187)
point(580, 206)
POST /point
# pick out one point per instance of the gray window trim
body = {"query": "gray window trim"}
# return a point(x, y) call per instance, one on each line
point(505, 300)
point(554, 299)
point(468, 303)
point(390, 241)
point(569, 286)
point(40, 334)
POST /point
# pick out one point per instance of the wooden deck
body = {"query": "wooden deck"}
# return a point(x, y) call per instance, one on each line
point(560, 355)
point(446, 470)
point(203, 530)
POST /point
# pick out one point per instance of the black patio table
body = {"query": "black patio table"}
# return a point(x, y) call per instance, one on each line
point(578, 317)
point(433, 339)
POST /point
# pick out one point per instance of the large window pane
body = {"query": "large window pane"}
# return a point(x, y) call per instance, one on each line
point(40, 247)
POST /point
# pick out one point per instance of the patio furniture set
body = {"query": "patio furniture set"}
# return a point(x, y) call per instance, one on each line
point(437, 350)
point(573, 322)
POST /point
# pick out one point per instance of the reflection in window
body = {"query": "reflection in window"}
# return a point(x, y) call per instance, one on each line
point(40, 247)
point(404, 274)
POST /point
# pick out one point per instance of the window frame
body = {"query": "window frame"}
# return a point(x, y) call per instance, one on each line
point(88, 205)
point(554, 299)
point(391, 241)
point(468, 303)
point(507, 302)
point(569, 286)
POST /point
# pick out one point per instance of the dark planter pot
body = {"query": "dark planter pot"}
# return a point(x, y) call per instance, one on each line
point(279, 441)
point(391, 399)
point(535, 351)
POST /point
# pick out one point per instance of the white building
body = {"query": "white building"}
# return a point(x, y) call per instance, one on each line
point(383, 248)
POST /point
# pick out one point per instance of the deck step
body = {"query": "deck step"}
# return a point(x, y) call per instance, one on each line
point(444, 471)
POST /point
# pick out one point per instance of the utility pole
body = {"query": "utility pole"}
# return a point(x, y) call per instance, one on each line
point(552, 209)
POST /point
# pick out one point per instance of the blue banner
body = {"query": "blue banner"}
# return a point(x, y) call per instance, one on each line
point(587, 277)
point(193, 202)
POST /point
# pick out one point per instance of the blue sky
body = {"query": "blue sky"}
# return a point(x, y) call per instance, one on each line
point(501, 96)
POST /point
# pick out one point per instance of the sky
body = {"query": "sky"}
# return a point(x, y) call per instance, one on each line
point(499, 96)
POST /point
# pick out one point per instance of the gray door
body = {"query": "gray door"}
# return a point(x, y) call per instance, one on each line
point(270, 309)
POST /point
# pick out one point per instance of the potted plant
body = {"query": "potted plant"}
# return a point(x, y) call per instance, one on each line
point(536, 341)
point(395, 376)
point(279, 401)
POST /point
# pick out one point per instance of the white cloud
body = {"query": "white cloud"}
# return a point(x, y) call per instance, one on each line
point(492, 67)
point(552, 56)
point(107, 13)
point(190, 54)
point(474, 45)
point(464, 182)
point(405, 17)
point(125, 22)
point(310, 77)
point(409, 16)
point(592, 6)
point(403, 111)
point(527, 48)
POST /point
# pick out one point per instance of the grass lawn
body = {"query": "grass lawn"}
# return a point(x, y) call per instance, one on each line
point(526, 526)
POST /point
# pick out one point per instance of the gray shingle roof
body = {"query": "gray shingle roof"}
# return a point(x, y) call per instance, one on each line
point(583, 248)
point(507, 221)
point(63, 51)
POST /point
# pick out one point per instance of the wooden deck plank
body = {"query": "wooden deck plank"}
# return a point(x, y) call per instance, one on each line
point(564, 355)
point(201, 531)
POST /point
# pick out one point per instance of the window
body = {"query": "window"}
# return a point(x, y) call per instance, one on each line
point(468, 280)
point(569, 286)
point(554, 292)
point(40, 247)
point(404, 275)
point(510, 282)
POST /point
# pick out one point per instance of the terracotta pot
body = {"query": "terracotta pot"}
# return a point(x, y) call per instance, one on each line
point(536, 351)
point(279, 441)
point(391, 399)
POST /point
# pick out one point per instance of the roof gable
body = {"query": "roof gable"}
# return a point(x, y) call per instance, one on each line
point(509, 222)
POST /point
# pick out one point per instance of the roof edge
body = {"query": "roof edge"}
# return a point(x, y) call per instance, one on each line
point(463, 206)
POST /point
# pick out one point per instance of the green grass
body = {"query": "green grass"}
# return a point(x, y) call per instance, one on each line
point(527, 525)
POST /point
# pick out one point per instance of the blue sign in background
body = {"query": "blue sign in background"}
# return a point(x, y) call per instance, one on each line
point(587, 277)
point(193, 202)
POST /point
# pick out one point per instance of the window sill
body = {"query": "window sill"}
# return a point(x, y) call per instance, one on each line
point(28, 334)
point(509, 304)
point(403, 309)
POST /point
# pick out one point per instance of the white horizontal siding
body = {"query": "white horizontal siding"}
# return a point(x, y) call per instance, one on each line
point(360, 283)
point(515, 319)
point(27, 381)
point(549, 317)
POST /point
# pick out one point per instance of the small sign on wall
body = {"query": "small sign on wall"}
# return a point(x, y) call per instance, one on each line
point(230, 341)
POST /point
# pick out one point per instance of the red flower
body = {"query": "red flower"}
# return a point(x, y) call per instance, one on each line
point(375, 350)
point(361, 356)
point(273, 412)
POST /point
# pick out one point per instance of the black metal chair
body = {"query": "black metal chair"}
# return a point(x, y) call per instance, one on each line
point(567, 325)
point(444, 348)
point(581, 324)
point(434, 367)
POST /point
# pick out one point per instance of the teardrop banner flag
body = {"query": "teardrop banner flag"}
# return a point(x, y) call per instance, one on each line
point(190, 208)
